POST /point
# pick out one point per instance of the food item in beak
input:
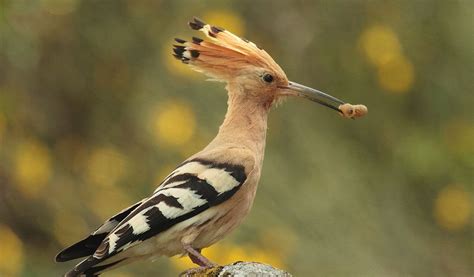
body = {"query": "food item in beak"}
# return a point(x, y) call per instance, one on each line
point(353, 111)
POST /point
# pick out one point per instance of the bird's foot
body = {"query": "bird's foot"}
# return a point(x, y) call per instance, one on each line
point(201, 271)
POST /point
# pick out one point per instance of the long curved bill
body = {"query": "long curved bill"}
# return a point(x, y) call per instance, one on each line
point(314, 95)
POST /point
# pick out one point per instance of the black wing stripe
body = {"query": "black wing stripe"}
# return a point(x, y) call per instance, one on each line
point(178, 178)
point(200, 187)
point(155, 199)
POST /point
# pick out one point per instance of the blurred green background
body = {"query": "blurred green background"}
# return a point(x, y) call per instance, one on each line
point(94, 111)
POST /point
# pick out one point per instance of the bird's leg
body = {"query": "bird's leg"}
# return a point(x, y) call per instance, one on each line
point(197, 258)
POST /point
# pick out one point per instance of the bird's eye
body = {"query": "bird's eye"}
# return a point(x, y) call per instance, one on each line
point(267, 78)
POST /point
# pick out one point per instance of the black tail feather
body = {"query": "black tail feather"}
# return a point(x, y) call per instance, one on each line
point(83, 248)
point(90, 268)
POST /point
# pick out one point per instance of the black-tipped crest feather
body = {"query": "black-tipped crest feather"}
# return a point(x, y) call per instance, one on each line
point(194, 53)
point(216, 29)
point(199, 21)
point(179, 40)
point(197, 40)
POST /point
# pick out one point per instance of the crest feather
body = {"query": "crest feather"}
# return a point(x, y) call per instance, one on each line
point(224, 55)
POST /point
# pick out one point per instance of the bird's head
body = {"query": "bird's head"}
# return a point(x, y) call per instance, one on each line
point(248, 69)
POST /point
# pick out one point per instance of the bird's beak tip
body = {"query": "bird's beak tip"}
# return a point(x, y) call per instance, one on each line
point(345, 109)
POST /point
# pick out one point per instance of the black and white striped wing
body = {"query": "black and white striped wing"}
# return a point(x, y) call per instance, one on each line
point(192, 188)
point(89, 245)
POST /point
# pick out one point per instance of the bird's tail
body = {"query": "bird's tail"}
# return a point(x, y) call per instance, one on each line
point(91, 266)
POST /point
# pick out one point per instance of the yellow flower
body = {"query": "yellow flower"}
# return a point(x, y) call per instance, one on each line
point(452, 208)
point(11, 256)
point(32, 167)
point(380, 44)
point(397, 75)
point(382, 49)
point(105, 166)
point(173, 123)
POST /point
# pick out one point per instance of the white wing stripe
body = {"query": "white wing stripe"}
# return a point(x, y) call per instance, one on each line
point(169, 212)
point(113, 238)
point(186, 197)
point(139, 223)
point(191, 168)
point(220, 179)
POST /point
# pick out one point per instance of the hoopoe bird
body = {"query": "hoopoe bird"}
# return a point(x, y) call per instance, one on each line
point(210, 193)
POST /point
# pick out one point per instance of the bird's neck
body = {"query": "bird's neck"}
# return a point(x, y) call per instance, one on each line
point(245, 123)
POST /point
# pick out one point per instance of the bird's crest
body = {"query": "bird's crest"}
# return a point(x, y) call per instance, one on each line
point(224, 56)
